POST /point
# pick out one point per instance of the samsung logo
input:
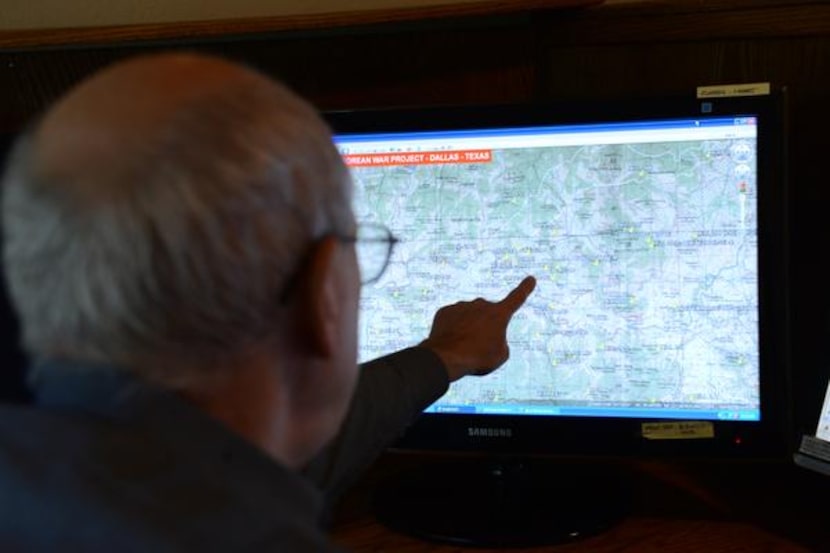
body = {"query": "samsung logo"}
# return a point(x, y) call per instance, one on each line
point(486, 432)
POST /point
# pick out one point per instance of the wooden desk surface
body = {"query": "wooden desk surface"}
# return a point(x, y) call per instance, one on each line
point(636, 534)
point(690, 507)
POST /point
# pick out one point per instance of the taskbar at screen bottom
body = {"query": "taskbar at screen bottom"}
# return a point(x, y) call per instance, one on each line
point(729, 414)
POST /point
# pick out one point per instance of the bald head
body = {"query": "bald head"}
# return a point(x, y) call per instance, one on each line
point(100, 131)
point(139, 94)
point(153, 188)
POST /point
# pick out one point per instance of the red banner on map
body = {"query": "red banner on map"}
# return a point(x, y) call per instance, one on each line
point(418, 158)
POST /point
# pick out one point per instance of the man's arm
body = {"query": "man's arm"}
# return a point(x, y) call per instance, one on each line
point(391, 393)
point(466, 338)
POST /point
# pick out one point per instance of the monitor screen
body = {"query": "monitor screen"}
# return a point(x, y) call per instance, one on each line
point(656, 230)
point(642, 235)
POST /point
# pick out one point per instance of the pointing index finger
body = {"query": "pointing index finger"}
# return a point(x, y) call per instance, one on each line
point(516, 298)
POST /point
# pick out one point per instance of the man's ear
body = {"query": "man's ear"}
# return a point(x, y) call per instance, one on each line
point(316, 302)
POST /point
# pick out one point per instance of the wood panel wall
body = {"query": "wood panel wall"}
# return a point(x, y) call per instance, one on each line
point(524, 54)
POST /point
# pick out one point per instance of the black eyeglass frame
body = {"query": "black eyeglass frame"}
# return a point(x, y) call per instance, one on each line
point(389, 238)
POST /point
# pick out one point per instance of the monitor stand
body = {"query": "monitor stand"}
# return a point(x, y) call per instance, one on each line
point(502, 502)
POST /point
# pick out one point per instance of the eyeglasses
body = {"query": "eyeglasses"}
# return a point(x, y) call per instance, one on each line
point(373, 244)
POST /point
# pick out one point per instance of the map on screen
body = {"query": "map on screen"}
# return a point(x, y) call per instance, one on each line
point(643, 240)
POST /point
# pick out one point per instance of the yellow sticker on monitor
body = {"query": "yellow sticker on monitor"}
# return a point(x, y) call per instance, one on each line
point(732, 90)
point(686, 430)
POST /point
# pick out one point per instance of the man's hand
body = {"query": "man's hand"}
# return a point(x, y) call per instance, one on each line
point(470, 337)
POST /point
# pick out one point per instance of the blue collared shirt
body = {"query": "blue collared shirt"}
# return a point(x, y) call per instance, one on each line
point(105, 462)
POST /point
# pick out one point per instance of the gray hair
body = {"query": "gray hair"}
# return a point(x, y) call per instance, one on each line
point(182, 260)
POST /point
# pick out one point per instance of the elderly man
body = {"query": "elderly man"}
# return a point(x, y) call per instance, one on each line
point(180, 248)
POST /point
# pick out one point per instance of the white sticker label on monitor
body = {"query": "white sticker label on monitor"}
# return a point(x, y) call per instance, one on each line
point(687, 430)
point(732, 90)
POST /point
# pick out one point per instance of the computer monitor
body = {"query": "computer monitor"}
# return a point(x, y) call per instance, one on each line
point(657, 231)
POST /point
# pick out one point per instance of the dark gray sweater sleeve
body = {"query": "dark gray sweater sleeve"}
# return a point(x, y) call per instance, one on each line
point(391, 393)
